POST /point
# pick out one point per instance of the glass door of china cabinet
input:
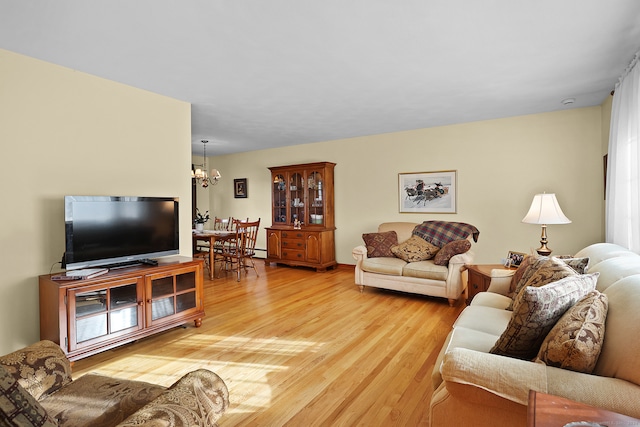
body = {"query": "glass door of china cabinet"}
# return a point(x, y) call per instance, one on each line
point(279, 199)
point(315, 182)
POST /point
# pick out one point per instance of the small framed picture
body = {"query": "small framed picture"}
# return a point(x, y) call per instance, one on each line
point(514, 259)
point(240, 188)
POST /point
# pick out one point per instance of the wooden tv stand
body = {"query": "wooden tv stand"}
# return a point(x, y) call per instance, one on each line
point(89, 316)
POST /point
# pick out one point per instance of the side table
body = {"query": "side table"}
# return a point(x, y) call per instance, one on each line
point(479, 278)
point(546, 410)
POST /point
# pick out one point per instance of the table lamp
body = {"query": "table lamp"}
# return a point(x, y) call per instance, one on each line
point(545, 210)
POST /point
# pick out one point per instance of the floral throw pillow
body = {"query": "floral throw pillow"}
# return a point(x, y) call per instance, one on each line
point(580, 265)
point(379, 244)
point(542, 271)
point(415, 249)
point(19, 408)
point(536, 311)
point(522, 269)
point(576, 340)
point(450, 249)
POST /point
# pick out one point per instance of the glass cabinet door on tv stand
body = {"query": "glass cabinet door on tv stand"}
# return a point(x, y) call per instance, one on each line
point(172, 294)
point(104, 311)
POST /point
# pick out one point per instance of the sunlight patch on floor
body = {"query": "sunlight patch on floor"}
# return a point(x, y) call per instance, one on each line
point(233, 358)
point(219, 345)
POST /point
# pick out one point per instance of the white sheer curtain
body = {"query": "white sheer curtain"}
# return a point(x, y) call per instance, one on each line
point(623, 181)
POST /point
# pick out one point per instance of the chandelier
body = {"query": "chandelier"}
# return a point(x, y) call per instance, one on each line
point(200, 174)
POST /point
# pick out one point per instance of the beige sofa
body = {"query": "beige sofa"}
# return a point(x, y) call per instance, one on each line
point(423, 277)
point(36, 389)
point(473, 387)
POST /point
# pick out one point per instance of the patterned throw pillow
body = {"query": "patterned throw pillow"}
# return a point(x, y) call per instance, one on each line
point(542, 271)
point(19, 408)
point(41, 368)
point(450, 249)
point(580, 265)
point(536, 311)
point(415, 249)
point(379, 244)
point(522, 269)
point(576, 340)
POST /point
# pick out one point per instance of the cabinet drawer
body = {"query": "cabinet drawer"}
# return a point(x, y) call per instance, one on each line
point(477, 283)
point(293, 255)
point(292, 244)
point(479, 278)
point(292, 235)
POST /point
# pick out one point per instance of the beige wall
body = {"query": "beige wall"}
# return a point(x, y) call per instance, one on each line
point(65, 132)
point(501, 164)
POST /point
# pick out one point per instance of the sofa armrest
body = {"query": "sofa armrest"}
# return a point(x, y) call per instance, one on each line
point(512, 379)
point(612, 394)
point(359, 252)
point(500, 281)
point(503, 376)
point(460, 260)
point(454, 283)
point(40, 368)
point(197, 399)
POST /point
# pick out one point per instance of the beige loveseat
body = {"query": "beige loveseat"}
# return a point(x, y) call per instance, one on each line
point(36, 389)
point(422, 277)
point(473, 387)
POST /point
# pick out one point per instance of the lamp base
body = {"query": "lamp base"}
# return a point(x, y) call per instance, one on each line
point(543, 250)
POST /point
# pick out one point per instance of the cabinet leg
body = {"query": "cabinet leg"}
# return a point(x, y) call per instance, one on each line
point(198, 322)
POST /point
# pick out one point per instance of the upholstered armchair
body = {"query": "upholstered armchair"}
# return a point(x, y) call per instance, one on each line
point(36, 389)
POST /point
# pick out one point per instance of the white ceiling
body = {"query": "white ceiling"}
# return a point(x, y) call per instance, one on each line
point(263, 74)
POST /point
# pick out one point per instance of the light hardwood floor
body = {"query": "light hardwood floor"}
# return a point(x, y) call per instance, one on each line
point(301, 348)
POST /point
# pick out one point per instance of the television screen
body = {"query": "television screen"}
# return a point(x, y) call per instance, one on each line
point(108, 230)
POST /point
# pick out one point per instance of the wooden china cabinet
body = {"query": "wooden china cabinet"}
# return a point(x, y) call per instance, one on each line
point(302, 193)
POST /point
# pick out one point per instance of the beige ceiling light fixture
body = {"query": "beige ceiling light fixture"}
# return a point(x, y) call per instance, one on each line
point(200, 174)
point(568, 101)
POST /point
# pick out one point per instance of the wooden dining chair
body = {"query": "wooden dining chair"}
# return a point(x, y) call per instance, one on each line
point(223, 224)
point(235, 221)
point(202, 251)
point(220, 224)
point(240, 253)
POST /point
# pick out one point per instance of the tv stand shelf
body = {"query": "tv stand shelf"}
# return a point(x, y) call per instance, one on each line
point(89, 316)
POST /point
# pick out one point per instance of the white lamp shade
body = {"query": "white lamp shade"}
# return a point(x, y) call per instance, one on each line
point(545, 210)
point(215, 174)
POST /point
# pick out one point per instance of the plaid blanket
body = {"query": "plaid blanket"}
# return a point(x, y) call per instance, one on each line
point(440, 233)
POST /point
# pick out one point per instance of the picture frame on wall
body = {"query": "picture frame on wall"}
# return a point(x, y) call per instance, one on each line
point(428, 192)
point(240, 188)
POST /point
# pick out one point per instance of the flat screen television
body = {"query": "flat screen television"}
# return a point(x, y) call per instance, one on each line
point(108, 230)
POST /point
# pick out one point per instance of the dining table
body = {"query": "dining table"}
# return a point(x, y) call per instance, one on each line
point(211, 236)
